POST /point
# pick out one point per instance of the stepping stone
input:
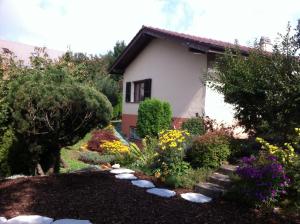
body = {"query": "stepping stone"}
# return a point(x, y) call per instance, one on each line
point(126, 176)
point(116, 166)
point(220, 179)
point(143, 183)
point(162, 192)
point(196, 197)
point(71, 221)
point(209, 189)
point(121, 170)
point(30, 219)
point(3, 220)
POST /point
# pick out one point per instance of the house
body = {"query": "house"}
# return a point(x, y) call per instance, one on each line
point(173, 67)
point(23, 51)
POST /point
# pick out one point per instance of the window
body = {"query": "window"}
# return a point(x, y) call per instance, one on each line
point(128, 92)
point(133, 133)
point(141, 91)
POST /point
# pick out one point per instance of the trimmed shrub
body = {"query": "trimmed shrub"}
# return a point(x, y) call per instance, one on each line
point(153, 116)
point(209, 150)
point(195, 126)
point(98, 138)
point(50, 109)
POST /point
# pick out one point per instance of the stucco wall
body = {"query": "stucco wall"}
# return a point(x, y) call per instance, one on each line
point(176, 75)
point(216, 108)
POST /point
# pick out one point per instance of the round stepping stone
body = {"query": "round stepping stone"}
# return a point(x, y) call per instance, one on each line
point(126, 176)
point(3, 220)
point(143, 183)
point(29, 219)
point(196, 197)
point(162, 192)
point(71, 221)
point(121, 170)
point(116, 166)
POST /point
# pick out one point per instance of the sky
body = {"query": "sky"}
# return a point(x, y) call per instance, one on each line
point(94, 26)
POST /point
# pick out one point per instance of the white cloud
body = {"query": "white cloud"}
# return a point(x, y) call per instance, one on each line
point(94, 26)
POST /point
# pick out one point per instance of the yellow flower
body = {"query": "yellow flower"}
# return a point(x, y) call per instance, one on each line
point(157, 174)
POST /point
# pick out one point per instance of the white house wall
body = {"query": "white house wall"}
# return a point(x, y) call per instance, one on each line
point(216, 108)
point(176, 75)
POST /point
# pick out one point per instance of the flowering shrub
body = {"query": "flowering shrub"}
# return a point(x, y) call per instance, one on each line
point(169, 161)
point(262, 179)
point(172, 139)
point(99, 137)
point(209, 150)
point(285, 154)
point(114, 147)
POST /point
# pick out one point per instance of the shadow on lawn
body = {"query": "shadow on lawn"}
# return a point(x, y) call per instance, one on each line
point(101, 198)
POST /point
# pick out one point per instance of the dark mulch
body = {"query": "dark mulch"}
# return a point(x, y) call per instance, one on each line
point(101, 198)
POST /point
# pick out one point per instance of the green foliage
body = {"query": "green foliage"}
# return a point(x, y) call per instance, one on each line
point(293, 171)
point(71, 158)
point(190, 178)
point(6, 142)
point(153, 116)
point(95, 158)
point(49, 109)
point(140, 159)
point(242, 147)
point(195, 126)
point(14, 158)
point(93, 70)
point(209, 150)
point(263, 87)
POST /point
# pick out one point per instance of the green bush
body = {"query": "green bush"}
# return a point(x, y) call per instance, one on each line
point(14, 157)
point(195, 126)
point(209, 150)
point(6, 142)
point(153, 116)
point(50, 110)
point(293, 172)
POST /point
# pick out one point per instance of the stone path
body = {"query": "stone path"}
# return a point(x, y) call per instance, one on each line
point(217, 183)
point(127, 174)
point(36, 219)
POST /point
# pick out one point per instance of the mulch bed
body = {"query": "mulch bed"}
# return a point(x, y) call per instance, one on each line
point(101, 198)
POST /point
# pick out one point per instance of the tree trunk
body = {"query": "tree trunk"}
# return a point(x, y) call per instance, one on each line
point(39, 170)
point(54, 161)
point(63, 163)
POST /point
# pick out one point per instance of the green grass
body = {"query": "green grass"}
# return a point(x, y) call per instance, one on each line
point(71, 154)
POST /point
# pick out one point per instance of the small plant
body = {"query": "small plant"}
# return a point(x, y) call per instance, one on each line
point(98, 137)
point(195, 126)
point(262, 180)
point(95, 158)
point(169, 161)
point(285, 154)
point(209, 150)
point(153, 116)
point(114, 147)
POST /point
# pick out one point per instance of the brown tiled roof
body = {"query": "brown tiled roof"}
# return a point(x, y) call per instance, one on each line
point(146, 34)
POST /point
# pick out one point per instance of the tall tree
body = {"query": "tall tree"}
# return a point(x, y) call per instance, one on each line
point(264, 87)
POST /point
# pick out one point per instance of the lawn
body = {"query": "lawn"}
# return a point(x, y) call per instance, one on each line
point(101, 198)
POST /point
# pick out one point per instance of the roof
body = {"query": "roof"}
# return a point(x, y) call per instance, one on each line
point(23, 51)
point(193, 43)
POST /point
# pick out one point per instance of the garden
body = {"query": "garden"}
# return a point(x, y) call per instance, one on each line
point(58, 125)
